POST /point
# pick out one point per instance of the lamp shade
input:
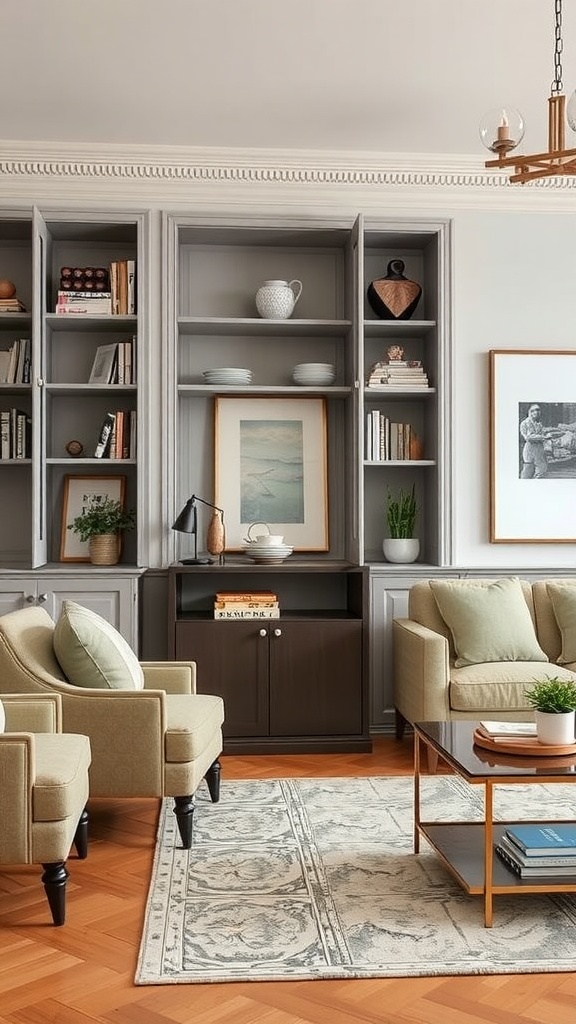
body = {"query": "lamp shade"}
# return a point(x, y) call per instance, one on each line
point(186, 521)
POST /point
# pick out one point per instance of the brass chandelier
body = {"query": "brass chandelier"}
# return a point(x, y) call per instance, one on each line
point(502, 130)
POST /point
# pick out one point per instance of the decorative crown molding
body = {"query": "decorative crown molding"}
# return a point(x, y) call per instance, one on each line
point(198, 164)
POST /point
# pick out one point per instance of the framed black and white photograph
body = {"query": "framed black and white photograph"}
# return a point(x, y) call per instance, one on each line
point(533, 446)
point(271, 467)
point(77, 495)
point(104, 364)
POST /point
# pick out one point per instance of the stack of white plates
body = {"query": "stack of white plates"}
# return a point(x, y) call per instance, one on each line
point(227, 375)
point(314, 374)
point(267, 554)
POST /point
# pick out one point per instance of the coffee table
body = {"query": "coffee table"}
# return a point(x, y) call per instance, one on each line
point(467, 848)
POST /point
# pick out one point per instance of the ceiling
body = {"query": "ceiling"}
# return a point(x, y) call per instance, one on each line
point(390, 76)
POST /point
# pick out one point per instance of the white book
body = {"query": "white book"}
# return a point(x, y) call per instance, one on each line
point(249, 613)
point(509, 728)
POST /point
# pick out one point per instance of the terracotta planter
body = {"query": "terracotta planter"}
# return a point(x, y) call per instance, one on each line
point(104, 549)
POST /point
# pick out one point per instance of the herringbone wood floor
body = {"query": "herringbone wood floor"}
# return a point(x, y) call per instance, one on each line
point(83, 971)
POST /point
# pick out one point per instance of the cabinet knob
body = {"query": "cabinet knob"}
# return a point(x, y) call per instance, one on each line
point(263, 632)
point(277, 632)
point(29, 598)
point(42, 598)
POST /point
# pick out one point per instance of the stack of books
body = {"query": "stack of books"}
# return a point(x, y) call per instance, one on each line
point(123, 287)
point(15, 434)
point(15, 363)
point(117, 438)
point(387, 440)
point(91, 303)
point(250, 604)
point(533, 851)
point(398, 374)
point(12, 305)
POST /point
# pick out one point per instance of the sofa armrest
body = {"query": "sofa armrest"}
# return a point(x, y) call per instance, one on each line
point(32, 712)
point(170, 676)
point(421, 672)
point(18, 771)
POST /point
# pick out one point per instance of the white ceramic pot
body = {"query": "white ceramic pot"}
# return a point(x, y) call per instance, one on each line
point(555, 728)
point(275, 300)
point(401, 549)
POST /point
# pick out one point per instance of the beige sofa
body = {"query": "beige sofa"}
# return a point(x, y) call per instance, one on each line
point(428, 686)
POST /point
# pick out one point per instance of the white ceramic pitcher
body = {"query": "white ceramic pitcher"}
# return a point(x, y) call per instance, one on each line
point(275, 300)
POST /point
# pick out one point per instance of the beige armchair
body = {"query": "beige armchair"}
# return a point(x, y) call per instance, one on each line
point(159, 741)
point(44, 791)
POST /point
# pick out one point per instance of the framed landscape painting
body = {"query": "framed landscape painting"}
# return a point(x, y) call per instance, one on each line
point(271, 467)
point(532, 446)
point(78, 492)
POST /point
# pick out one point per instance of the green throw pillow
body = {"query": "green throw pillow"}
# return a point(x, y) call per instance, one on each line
point(563, 598)
point(488, 622)
point(92, 653)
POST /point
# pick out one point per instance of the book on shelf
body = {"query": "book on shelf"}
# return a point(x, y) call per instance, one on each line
point(553, 860)
point(5, 434)
point(15, 363)
point(15, 434)
point(507, 729)
point(12, 305)
point(245, 595)
point(95, 303)
point(246, 613)
point(533, 872)
point(123, 287)
point(542, 839)
point(105, 436)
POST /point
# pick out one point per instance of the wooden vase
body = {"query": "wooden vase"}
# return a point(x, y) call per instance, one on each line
point(215, 539)
point(104, 549)
point(394, 297)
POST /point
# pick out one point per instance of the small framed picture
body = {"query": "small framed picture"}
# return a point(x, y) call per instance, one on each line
point(78, 493)
point(104, 365)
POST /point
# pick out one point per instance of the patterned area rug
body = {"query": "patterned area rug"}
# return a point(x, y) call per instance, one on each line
point(315, 878)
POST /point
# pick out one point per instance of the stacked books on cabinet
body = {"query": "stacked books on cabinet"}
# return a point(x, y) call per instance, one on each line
point(250, 604)
point(15, 434)
point(397, 375)
point(542, 850)
point(15, 363)
point(117, 438)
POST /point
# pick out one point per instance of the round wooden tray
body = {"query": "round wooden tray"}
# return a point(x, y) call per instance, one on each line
point(523, 746)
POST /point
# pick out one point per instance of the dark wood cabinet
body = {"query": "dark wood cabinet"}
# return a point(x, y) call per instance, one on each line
point(293, 684)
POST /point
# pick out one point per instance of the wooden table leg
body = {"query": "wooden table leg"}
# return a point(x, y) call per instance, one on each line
point(416, 792)
point(488, 852)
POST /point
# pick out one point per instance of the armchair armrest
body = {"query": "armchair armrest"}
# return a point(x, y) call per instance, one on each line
point(32, 712)
point(170, 676)
point(421, 672)
point(18, 771)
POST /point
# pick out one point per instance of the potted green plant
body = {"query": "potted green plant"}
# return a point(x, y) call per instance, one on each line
point(401, 512)
point(554, 703)
point(101, 523)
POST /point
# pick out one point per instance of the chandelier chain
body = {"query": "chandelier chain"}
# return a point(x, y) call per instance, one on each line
point(556, 86)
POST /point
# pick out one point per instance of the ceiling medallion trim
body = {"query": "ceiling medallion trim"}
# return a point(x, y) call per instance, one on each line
point(258, 173)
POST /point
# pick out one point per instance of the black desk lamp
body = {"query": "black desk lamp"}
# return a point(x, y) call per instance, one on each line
point(187, 522)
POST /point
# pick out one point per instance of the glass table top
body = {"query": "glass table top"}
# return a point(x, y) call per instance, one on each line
point(455, 739)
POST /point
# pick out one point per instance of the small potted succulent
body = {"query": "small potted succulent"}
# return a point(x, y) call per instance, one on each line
point(554, 703)
point(101, 523)
point(401, 512)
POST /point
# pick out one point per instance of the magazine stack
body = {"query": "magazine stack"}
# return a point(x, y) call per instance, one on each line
point(546, 850)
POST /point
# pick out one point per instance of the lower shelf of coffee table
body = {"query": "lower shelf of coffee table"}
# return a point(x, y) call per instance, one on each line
point(460, 846)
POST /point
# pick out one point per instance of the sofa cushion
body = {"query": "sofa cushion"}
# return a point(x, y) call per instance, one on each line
point(92, 653)
point(563, 598)
point(191, 721)
point(499, 686)
point(489, 622)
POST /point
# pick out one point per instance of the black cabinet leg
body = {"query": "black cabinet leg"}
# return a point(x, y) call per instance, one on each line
point(184, 811)
point(54, 880)
point(213, 780)
point(401, 724)
point(81, 836)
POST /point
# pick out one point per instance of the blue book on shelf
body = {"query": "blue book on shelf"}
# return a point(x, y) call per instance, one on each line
point(538, 840)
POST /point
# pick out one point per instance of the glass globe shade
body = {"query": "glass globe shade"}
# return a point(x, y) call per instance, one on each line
point(501, 130)
point(571, 112)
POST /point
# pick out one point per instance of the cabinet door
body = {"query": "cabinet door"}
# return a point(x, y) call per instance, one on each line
point(316, 674)
point(232, 661)
point(16, 594)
